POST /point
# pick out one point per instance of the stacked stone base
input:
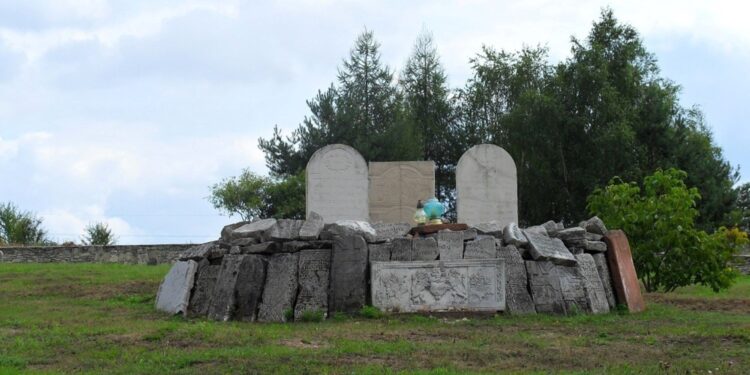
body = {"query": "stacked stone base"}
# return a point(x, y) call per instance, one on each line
point(282, 270)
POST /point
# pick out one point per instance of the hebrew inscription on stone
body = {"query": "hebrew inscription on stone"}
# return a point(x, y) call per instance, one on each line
point(337, 184)
point(453, 285)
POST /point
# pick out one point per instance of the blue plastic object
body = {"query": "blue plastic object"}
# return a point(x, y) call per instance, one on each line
point(433, 209)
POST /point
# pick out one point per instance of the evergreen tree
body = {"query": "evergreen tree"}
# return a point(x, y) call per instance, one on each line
point(428, 109)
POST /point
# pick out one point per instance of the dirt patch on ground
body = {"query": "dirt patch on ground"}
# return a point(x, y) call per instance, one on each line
point(741, 306)
point(303, 344)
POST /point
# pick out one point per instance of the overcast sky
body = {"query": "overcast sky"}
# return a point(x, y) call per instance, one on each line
point(125, 112)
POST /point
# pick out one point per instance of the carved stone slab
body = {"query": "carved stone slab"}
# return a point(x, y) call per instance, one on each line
point(545, 288)
point(280, 289)
point(337, 184)
point(348, 289)
point(543, 247)
point(395, 188)
point(205, 280)
point(595, 294)
point(424, 249)
point(451, 285)
point(450, 245)
point(517, 298)
point(174, 291)
point(603, 269)
point(483, 247)
point(380, 252)
point(314, 274)
point(238, 288)
point(401, 250)
point(573, 286)
point(486, 186)
point(622, 269)
point(389, 231)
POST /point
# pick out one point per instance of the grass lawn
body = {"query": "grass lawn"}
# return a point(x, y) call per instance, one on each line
point(100, 318)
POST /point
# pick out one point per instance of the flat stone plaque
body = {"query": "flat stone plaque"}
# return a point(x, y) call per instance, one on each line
point(486, 186)
point(517, 298)
point(396, 186)
point(451, 285)
point(314, 274)
point(204, 285)
point(337, 184)
point(174, 291)
point(595, 294)
point(621, 267)
point(543, 247)
point(348, 288)
point(280, 289)
point(424, 249)
point(603, 268)
point(450, 245)
point(483, 247)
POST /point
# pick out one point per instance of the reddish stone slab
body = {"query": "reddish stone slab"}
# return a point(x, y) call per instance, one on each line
point(625, 280)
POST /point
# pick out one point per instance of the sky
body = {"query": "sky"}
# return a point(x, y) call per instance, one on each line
point(125, 112)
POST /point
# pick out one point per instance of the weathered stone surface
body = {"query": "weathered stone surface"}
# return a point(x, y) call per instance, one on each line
point(337, 184)
point(226, 232)
point(222, 306)
point(348, 289)
point(595, 246)
point(451, 285)
point(205, 279)
point(593, 236)
point(552, 227)
point(595, 294)
point(389, 231)
point(380, 252)
point(424, 249)
point(249, 287)
point(280, 289)
point(313, 275)
point(285, 230)
point(470, 234)
point(594, 225)
point(544, 284)
point(311, 228)
point(256, 229)
point(486, 186)
point(622, 269)
point(573, 286)
point(575, 236)
point(542, 247)
point(600, 259)
point(206, 250)
point(395, 188)
point(538, 229)
point(247, 241)
point(517, 298)
point(261, 248)
point(295, 246)
point(483, 247)
point(450, 245)
point(513, 235)
point(401, 249)
point(174, 291)
point(491, 228)
point(349, 228)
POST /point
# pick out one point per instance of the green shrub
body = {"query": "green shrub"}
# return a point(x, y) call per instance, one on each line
point(312, 316)
point(371, 312)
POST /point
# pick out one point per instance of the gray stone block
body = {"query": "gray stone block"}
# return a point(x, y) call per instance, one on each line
point(595, 246)
point(600, 259)
point(387, 232)
point(512, 235)
point(401, 249)
point(595, 295)
point(483, 247)
point(285, 230)
point(573, 237)
point(310, 230)
point(206, 250)
point(450, 245)
point(174, 292)
point(343, 228)
point(238, 288)
point(538, 229)
point(449, 285)
point(226, 232)
point(314, 277)
point(470, 234)
point(542, 248)
point(380, 252)
point(280, 289)
point(424, 249)
point(574, 287)
point(491, 228)
point(594, 225)
point(205, 280)
point(256, 229)
point(544, 284)
point(261, 248)
point(517, 298)
point(348, 289)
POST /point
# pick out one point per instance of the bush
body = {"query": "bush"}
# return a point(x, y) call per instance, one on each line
point(371, 312)
point(99, 234)
point(312, 316)
point(20, 228)
point(659, 219)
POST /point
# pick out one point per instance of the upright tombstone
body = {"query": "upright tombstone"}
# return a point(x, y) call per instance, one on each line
point(348, 282)
point(624, 278)
point(396, 186)
point(337, 186)
point(486, 186)
point(313, 277)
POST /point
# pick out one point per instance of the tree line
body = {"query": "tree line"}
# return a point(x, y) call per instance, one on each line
point(570, 126)
point(24, 228)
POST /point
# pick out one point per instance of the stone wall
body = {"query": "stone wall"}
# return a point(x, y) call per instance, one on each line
point(742, 262)
point(126, 254)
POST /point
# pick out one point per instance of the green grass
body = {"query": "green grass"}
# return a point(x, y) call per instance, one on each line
point(86, 318)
